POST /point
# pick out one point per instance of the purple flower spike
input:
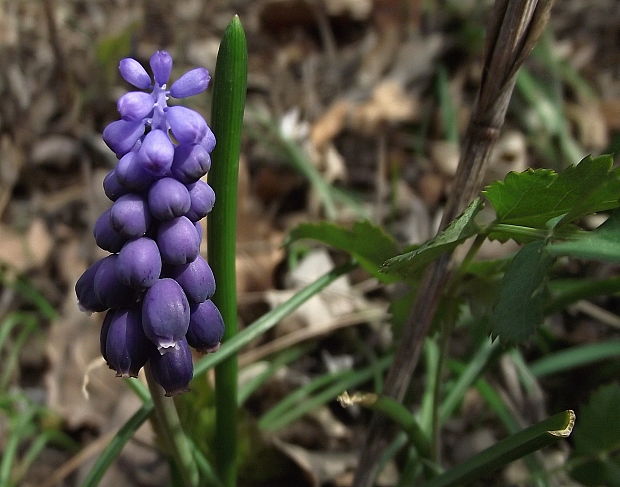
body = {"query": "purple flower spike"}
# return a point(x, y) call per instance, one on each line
point(190, 163)
point(206, 327)
point(199, 230)
point(203, 199)
point(85, 290)
point(139, 263)
point(130, 216)
point(165, 314)
point(187, 125)
point(132, 174)
point(161, 64)
point(108, 287)
point(156, 153)
point(174, 370)
point(196, 279)
point(106, 237)
point(112, 187)
point(168, 199)
point(133, 72)
point(122, 135)
point(135, 105)
point(191, 83)
point(126, 348)
point(178, 241)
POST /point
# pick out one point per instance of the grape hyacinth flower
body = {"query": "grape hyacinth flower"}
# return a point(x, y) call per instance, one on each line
point(155, 285)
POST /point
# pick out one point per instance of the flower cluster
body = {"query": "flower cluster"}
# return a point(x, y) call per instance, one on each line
point(155, 284)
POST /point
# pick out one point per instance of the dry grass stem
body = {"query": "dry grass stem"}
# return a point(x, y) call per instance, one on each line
point(513, 29)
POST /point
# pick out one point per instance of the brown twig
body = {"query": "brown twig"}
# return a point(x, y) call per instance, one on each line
point(513, 29)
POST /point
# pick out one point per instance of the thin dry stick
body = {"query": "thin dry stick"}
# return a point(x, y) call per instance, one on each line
point(513, 29)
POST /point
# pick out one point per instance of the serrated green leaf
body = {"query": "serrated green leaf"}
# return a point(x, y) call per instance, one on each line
point(534, 197)
point(456, 233)
point(597, 439)
point(366, 242)
point(519, 309)
point(600, 244)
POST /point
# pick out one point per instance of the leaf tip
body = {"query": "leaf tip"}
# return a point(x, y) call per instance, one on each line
point(568, 429)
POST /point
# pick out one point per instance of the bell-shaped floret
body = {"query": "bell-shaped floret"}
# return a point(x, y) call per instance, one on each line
point(85, 290)
point(202, 200)
point(161, 64)
point(198, 227)
point(190, 163)
point(106, 236)
point(208, 141)
point(132, 174)
point(165, 314)
point(103, 335)
point(191, 83)
point(168, 198)
point(206, 327)
point(196, 279)
point(139, 263)
point(130, 215)
point(112, 187)
point(122, 135)
point(173, 370)
point(135, 105)
point(108, 287)
point(187, 125)
point(127, 348)
point(133, 72)
point(178, 241)
point(156, 153)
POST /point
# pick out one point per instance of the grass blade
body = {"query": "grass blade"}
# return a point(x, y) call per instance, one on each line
point(574, 357)
point(515, 446)
point(115, 446)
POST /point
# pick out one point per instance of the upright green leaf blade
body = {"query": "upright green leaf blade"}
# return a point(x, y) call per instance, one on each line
point(227, 120)
point(519, 309)
point(456, 233)
point(366, 242)
point(533, 197)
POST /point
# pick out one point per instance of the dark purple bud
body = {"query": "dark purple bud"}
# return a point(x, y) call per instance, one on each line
point(178, 241)
point(130, 215)
point(196, 279)
point(187, 125)
point(168, 199)
point(190, 163)
point(161, 64)
point(203, 199)
point(122, 135)
point(173, 370)
point(139, 263)
point(135, 105)
point(131, 174)
point(206, 327)
point(85, 290)
point(208, 141)
point(108, 287)
point(133, 72)
point(112, 187)
point(156, 153)
point(199, 230)
point(127, 348)
point(165, 314)
point(103, 335)
point(191, 83)
point(106, 236)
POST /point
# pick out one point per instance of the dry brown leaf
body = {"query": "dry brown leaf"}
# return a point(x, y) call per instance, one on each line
point(330, 124)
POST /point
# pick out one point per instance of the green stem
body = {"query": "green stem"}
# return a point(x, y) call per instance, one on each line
point(170, 427)
point(227, 120)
